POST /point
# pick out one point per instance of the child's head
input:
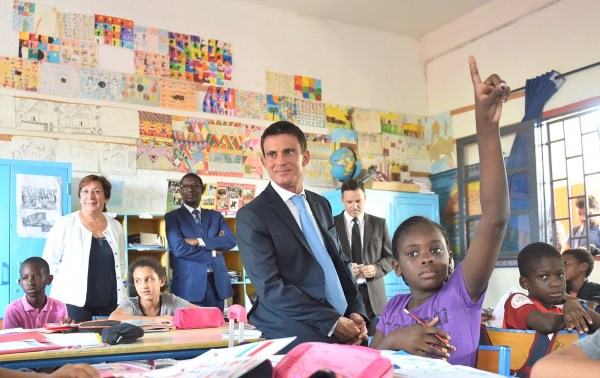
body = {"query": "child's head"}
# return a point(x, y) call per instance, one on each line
point(148, 276)
point(420, 248)
point(34, 275)
point(578, 262)
point(542, 273)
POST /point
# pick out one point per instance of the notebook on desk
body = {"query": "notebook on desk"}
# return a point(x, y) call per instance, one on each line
point(22, 342)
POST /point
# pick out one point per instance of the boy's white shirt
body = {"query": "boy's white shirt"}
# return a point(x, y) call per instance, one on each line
point(498, 314)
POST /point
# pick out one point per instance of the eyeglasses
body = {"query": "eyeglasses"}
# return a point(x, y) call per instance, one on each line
point(191, 187)
point(86, 192)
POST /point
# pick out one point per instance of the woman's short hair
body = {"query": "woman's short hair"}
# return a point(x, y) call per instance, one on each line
point(103, 181)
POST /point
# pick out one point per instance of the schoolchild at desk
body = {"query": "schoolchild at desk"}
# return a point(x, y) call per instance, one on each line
point(149, 276)
point(35, 308)
point(441, 316)
point(543, 276)
point(579, 264)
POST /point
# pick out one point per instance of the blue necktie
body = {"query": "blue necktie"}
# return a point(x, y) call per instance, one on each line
point(196, 214)
point(333, 288)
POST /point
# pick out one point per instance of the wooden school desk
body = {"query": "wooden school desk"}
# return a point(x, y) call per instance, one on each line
point(172, 344)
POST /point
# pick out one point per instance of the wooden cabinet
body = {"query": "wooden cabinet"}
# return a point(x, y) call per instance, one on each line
point(394, 207)
point(149, 223)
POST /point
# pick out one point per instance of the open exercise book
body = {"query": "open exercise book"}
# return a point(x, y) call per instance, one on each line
point(223, 363)
point(409, 366)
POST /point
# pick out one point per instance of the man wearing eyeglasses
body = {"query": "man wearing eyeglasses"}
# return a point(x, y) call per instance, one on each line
point(196, 236)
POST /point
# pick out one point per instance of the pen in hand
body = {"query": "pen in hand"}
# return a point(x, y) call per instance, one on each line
point(421, 322)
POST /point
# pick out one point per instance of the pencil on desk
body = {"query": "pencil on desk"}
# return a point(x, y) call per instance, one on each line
point(416, 318)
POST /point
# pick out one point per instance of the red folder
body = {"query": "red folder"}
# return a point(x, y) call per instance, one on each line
point(22, 336)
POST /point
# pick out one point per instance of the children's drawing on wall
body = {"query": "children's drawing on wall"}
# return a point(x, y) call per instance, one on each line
point(280, 84)
point(310, 113)
point(366, 121)
point(20, 74)
point(54, 117)
point(60, 80)
point(39, 203)
point(82, 155)
point(339, 117)
point(369, 143)
point(391, 123)
point(76, 26)
point(32, 148)
point(117, 159)
point(308, 87)
point(344, 138)
point(440, 142)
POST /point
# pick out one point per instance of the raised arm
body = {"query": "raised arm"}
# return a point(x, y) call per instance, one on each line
point(485, 246)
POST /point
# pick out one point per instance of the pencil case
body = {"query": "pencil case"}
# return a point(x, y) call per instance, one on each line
point(198, 317)
point(349, 361)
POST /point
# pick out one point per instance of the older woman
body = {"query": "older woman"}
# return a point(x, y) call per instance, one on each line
point(86, 254)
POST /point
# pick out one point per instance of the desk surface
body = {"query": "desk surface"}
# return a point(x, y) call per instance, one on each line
point(171, 344)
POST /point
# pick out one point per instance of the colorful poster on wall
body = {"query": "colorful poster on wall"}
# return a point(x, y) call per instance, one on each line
point(308, 87)
point(281, 108)
point(253, 166)
point(39, 47)
point(60, 80)
point(310, 113)
point(338, 117)
point(185, 56)
point(344, 138)
point(140, 90)
point(251, 104)
point(217, 62)
point(190, 145)
point(151, 64)
point(113, 31)
point(319, 145)
point(440, 140)
point(20, 74)
point(279, 84)
point(391, 123)
point(177, 94)
point(23, 16)
point(149, 39)
point(155, 126)
point(220, 100)
point(155, 155)
point(100, 85)
point(75, 26)
point(233, 196)
point(77, 52)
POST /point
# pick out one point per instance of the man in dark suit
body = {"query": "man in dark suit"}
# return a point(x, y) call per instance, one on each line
point(196, 237)
point(366, 242)
point(292, 254)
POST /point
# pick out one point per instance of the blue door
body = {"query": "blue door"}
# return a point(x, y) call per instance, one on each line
point(4, 241)
point(39, 192)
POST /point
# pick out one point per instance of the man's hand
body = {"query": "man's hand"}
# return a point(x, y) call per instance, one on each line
point(362, 326)
point(368, 271)
point(346, 330)
point(192, 241)
point(356, 270)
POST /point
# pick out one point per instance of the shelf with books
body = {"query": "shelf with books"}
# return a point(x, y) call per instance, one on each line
point(242, 287)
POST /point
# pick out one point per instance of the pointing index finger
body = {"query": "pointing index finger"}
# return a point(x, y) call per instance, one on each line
point(474, 71)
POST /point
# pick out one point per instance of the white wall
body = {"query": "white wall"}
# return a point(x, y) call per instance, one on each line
point(519, 40)
point(358, 66)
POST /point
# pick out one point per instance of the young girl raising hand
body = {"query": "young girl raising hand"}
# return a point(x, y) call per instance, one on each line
point(449, 305)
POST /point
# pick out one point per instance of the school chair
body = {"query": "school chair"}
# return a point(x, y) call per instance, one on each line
point(527, 346)
point(494, 358)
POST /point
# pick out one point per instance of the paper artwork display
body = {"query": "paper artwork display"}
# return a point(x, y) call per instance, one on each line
point(33, 148)
point(174, 199)
point(82, 155)
point(374, 160)
point(23, 12)
point(281, 108)
point(439, 135)
point(369, 143)
point(149, 39)
point(307, 87)
point(344, 138)
point(7, 118)
point(185, 56)
point(391, 123)
point(100, 85)
point(338, 117)
point(155, 126)
point(117, 159)
point(233, 196)
point(56, 117)
point(366, 121)
point(20, 74)
point(151, 64)
point(113, 31)
point(44, 19)
point(209, 197)
point(414, 126)
point(141, 90)
point(319, 145)
point(253, 166)
point(220, 100)
point(77, 52)
point(39, 47)
point(155, 155)
point(318, 173)
point(417, 154)
point(225, 144)
point(310, 113)
point(177, 94)
point(189, 144)
point(60, 80)
point(393, 147)
point(251, 104)
point(217, 58)
point(119, 124)
point(75, 26)
point(279, 84)
point(39, 203)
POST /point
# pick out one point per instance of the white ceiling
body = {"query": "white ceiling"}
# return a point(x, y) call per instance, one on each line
point(412, 18)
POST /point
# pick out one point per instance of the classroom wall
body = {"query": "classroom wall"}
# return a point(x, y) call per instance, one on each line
point(358, 66)
point(519, 40)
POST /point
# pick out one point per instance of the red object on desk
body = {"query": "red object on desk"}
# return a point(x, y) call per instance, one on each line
point(23, 336)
